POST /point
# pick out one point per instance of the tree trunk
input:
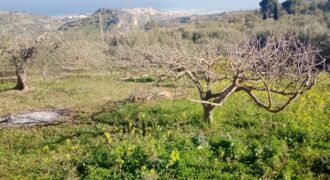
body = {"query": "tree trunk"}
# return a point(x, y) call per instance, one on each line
point(101, 26)
point(22, 83)
point(45, 76)
point(208, 113)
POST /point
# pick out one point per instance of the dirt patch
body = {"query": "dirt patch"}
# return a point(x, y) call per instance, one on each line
point(145, 95)
point(33, 118)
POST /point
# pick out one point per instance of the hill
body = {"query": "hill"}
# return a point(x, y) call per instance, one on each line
point(16, 23)
point(124, 19)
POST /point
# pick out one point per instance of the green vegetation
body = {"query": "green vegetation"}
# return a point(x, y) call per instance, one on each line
point(269, 9)
point(293, 6)
point(5, 86)
point(19, 23)
point(83, 93)
point(272, 8)
point(163, 139)
point(108, 137)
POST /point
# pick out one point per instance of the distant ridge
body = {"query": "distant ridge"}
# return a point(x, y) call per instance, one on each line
point(15, 23)
point(123, 19)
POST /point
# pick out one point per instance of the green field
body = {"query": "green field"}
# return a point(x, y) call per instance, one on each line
point(125, 122)
point(164, 139)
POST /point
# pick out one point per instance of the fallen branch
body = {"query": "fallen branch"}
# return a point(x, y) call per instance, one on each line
point(143, 76)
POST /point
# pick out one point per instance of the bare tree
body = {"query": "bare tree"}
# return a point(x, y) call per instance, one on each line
point(78, 52)
point(48, 60)
point(273, 72)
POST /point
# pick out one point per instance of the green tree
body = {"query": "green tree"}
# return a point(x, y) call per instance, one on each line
point(293, 6)
point(327, 6)
point(276, 13)
point(267, 8)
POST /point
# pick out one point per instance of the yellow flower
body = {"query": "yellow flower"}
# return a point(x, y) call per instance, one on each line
point(45, 148)
point(175, 156)
point(68, 156)
point(144, 168)
point(133, 131)
point(108, 137)
point(68, 142)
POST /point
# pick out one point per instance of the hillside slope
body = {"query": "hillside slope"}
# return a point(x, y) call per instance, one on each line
point(18, 23)
point(124, 19)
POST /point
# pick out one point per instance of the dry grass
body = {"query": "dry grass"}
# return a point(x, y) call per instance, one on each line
point(84, 93)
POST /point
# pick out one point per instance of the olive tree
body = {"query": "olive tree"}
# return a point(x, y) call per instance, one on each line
point(273, 72)
point(21, 50)
point(19, 53)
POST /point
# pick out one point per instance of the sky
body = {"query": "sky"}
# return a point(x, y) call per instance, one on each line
point(70, 7)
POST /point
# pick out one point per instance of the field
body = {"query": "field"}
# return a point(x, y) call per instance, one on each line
point(126, 91)
point(163, 138)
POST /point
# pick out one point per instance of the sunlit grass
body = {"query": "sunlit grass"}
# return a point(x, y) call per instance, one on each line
point(85, 93)
point(164, 136)
point(6, 86)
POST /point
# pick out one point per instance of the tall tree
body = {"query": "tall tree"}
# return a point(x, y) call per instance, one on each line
point(276, 12)
point(327, 6)
point(264, 9)
point(267, 8)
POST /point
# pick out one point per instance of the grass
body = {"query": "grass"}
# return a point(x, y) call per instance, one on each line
point(163, 139)
point(83, 93)
point(6, 86)
point(166, 139)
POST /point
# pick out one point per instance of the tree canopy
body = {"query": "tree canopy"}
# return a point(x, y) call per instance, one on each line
point(293, 6)
point(277, 68)
point(269, 8)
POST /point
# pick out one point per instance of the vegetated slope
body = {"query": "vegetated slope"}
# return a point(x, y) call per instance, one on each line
point(21, 25)
point(18, 23)
point(125, 19)
point(15, 23)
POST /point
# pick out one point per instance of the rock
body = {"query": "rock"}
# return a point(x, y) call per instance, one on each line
point(33, 118)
